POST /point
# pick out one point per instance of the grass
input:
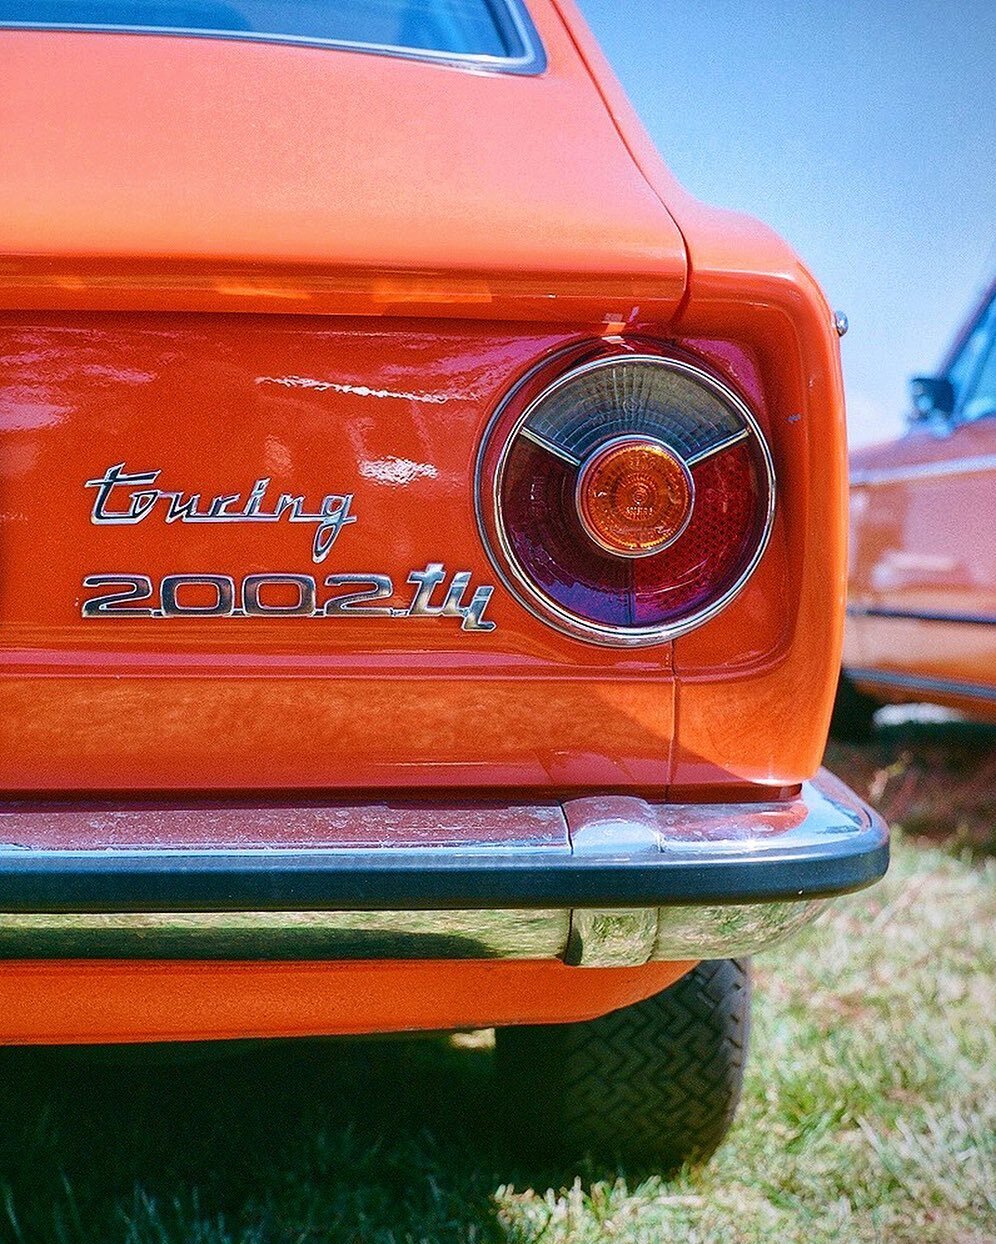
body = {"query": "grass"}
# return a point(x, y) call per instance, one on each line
point(936, 778)
point(869, 1111)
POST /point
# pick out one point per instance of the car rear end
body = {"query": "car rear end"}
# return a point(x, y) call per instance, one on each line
point(422, 549)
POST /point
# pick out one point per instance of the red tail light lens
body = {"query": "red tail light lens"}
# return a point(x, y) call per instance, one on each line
point(631, 500)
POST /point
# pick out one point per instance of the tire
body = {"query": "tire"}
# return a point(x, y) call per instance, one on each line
point(655, 1084)
point(853, 713)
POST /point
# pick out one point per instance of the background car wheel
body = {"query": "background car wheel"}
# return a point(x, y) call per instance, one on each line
point(656, 1083)
point(853, 713)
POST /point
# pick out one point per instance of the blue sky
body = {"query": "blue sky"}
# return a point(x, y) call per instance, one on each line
point(864, 131)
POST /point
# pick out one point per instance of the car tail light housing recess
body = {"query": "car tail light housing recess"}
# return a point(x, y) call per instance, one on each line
point(626, 500)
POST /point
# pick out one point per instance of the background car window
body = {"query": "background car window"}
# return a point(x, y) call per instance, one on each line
point(965, 368)
point(462, 27)
point(980, 399)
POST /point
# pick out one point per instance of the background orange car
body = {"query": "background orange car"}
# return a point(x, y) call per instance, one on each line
point(922, 584)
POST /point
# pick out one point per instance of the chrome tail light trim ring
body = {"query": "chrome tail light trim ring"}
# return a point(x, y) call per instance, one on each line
point(487, 500)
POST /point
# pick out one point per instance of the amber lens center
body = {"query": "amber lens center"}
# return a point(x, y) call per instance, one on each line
point(634, 497)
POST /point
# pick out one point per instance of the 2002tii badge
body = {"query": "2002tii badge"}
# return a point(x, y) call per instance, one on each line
point(126, 498)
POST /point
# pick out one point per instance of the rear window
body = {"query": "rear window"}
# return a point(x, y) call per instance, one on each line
point(497, 32)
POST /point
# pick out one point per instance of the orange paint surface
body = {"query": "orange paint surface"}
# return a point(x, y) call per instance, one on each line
point(232, 262)
point(756, 684)
point(339, 701)
point(348, 701)
point(571, 223)
point(79, 1002)
point(923, 518)
point(147, 172)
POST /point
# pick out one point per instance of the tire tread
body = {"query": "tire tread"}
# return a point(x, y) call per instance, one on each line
point(659, 1080)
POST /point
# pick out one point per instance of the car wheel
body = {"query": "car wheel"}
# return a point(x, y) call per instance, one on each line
point(853, 713)
point(656, 1083)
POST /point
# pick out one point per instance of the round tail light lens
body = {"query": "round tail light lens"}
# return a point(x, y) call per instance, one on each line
point(634, 497)
point(628, 501)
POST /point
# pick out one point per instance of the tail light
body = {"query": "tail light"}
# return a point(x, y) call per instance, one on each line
point(629, 500)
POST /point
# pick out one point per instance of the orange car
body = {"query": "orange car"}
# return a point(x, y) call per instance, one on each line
point(422, 552)
point(922, 592)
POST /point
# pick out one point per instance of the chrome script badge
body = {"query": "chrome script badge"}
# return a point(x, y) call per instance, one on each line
point(135, 499)
point(127, 498)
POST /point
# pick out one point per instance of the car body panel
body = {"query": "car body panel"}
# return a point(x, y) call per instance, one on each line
point(393, 419)
point(372, 183)
point(227, 262)
point(755, 692)
point(76, 1001)
point(922, 600)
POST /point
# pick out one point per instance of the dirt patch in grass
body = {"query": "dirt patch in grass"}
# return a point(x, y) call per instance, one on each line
point(934, 779)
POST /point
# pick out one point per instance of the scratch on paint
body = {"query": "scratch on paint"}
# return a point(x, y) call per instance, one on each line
point(358, 390)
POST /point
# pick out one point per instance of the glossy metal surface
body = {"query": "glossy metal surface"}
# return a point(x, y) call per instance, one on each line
point(145, 173)
point(342, 699)
point(280, 228)
point(586, 937)
point(394, 420)
point(755, 313)
point(732, 930)
point(685, 856)
point(402, 243)
point(267, 935)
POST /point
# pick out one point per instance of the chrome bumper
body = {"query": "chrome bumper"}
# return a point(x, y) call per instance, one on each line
point(597, 881)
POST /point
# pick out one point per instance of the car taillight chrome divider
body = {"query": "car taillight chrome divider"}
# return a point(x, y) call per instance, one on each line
point(719, 447)
point(491, 519)
point(551, 447)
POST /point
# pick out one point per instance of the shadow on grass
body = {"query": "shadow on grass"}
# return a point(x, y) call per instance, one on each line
point(348, 1140)
point(973, 736)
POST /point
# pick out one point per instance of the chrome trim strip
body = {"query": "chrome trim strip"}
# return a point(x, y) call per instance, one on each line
point(917, 682)
point(925, 470)
point(920, 615)
point(635, 882)
point(531, 62)
point(729, 931)
point(612, 939)
point(549, 446)
point(521, 586)
point(720, 447)
point(338, 935)
point(622, 937)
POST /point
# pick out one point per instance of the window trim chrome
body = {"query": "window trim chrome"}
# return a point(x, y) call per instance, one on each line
point(520, 584)
point(920, 615)
point(532, 62)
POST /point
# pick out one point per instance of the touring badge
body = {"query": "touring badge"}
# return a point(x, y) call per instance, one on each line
point(127, 498)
